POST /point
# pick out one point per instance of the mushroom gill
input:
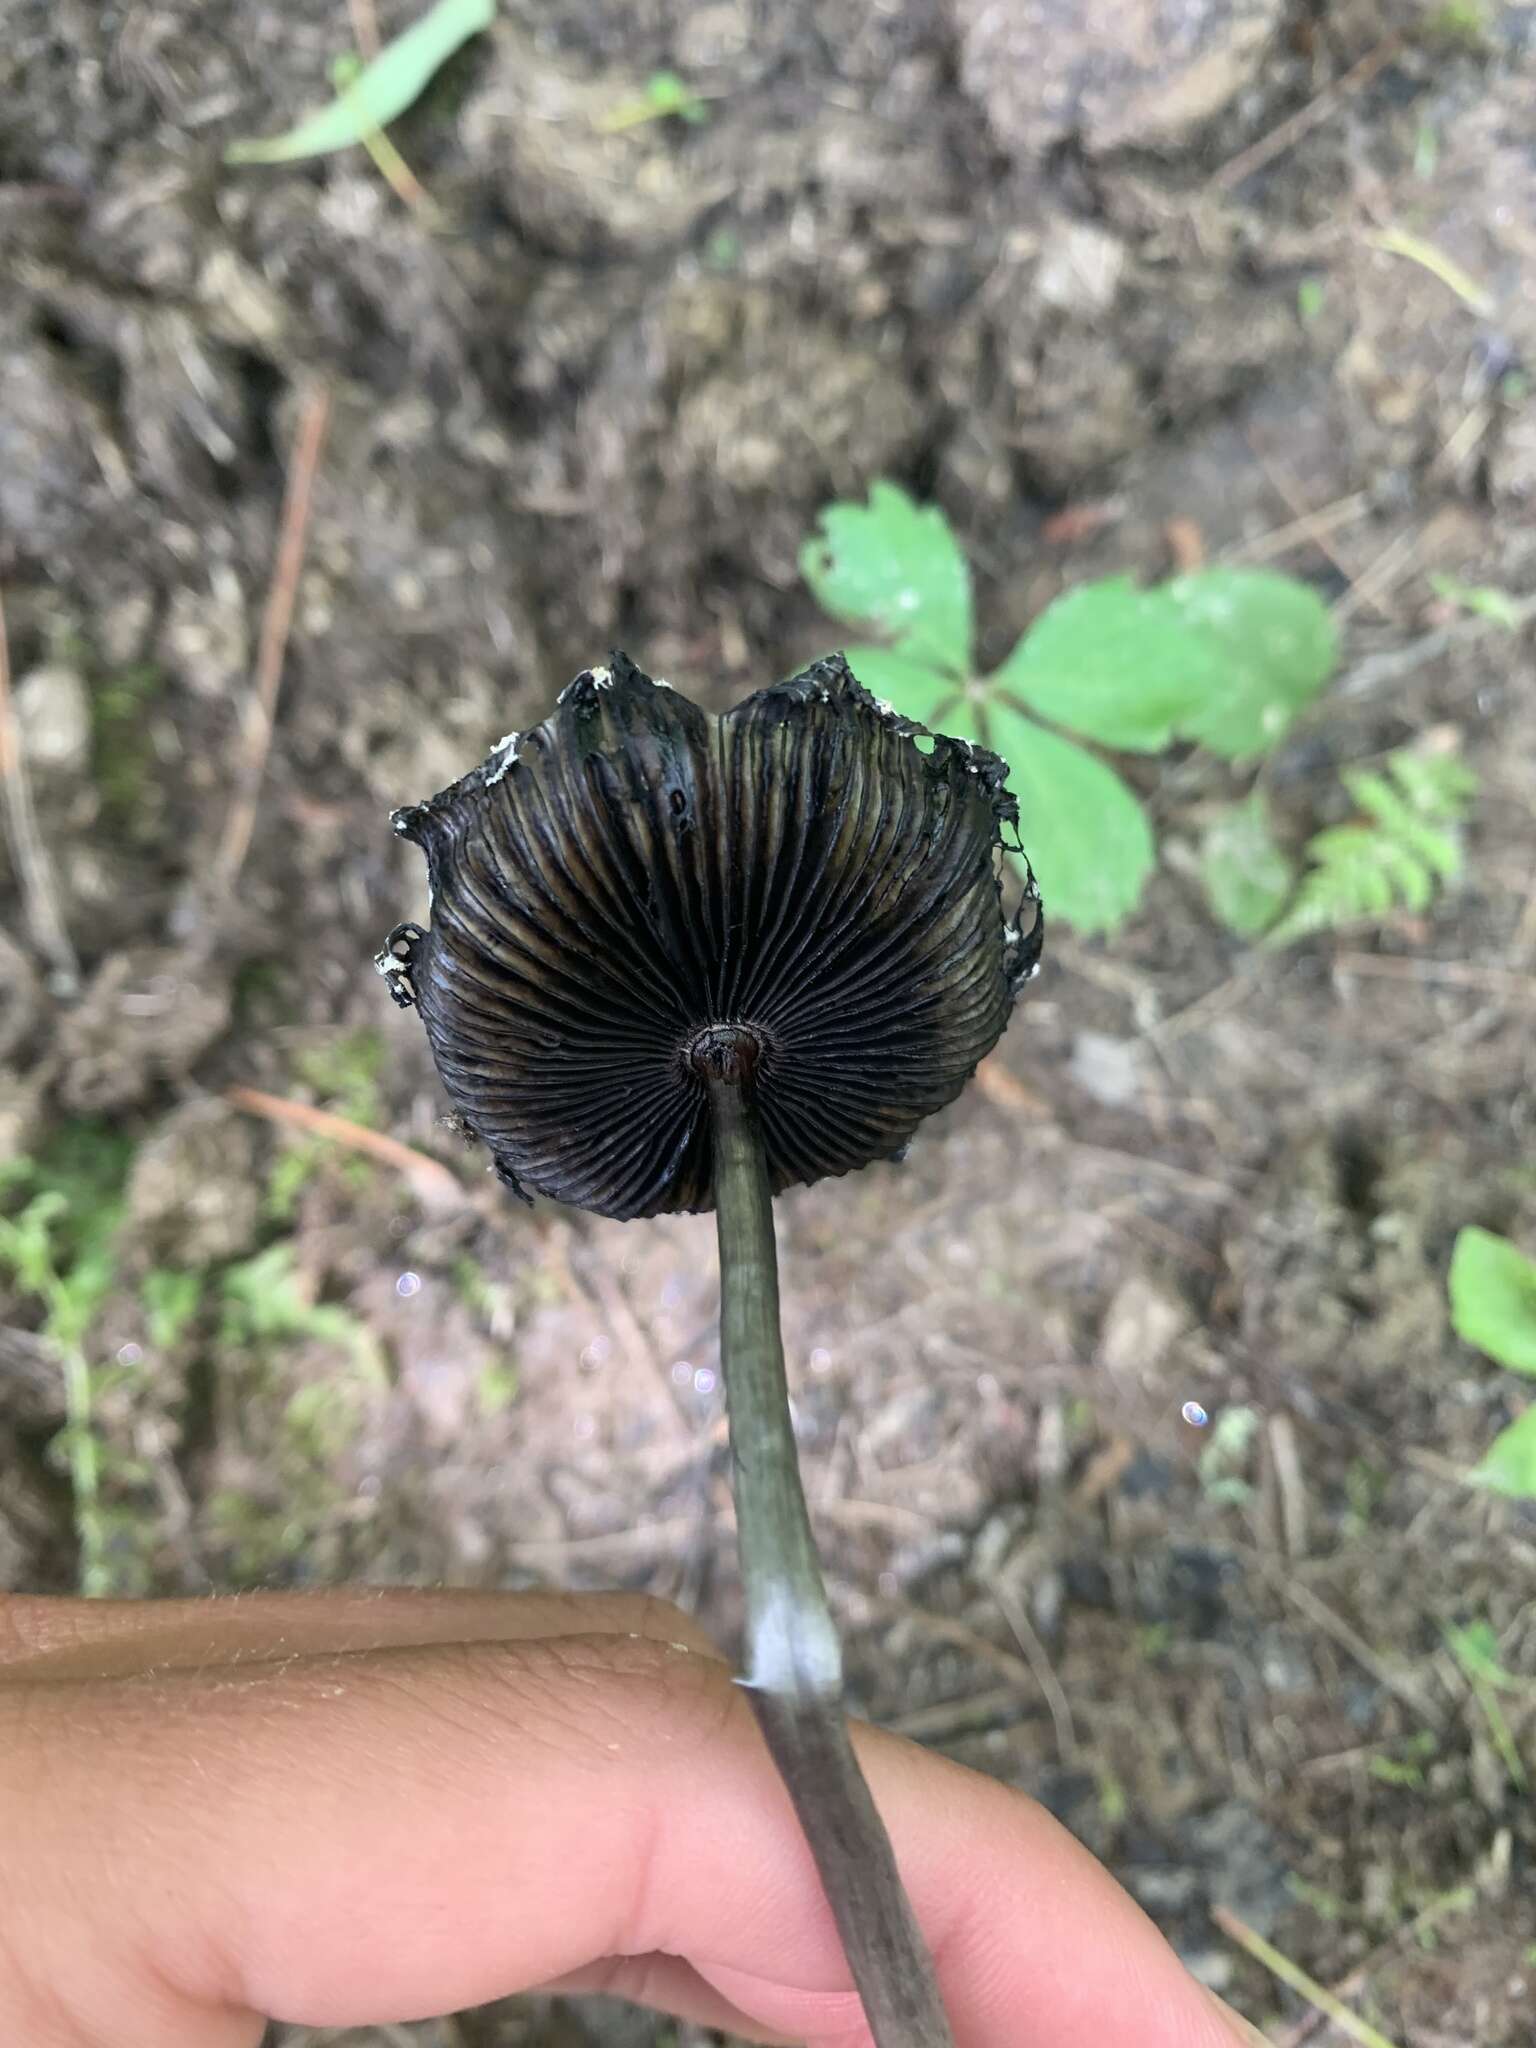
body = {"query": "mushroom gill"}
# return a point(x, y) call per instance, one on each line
point(634, 887)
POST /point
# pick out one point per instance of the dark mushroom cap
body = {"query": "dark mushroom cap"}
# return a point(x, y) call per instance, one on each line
point(612, 888)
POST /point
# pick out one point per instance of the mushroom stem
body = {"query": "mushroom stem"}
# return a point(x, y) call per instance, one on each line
point(794, 1666)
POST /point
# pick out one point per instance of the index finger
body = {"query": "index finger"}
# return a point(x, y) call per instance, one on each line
point(388, 1835)
point(66, 1638)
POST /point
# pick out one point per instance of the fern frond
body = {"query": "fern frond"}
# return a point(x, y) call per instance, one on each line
point(1438, 785)
point(1396, 819)
point(1404, 846)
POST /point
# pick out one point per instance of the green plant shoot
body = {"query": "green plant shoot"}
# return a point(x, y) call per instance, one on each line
point(380, 92)
point(1404, 845)
point(1476, 1650)
point(60, 1248)
point(664, 96)
point(1482, 600)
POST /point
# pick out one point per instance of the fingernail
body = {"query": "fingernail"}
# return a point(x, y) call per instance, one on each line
point(1236, 2025)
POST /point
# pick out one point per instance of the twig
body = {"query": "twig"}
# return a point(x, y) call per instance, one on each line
point(614, 1548)
point(1334, 1625)
point(944, 1629)
point(1283, 487)
point(1103, 1473)
point(1394, 664)
point(1305, 529)
point(637, 1338)
point(1293, 1975)
point(1502, 981)
point(34, 870)
point(1306, 118)
point(1076, 523)
point(1464, 438)
point(365, 28)
point(1201, 1184)
point(1291, 1484)
point(434, 1186)
point(854, 1513)
point(1040, 1664)
point(1384, 573)
point(1126, 1210)
point(1224, 996)
point(948, 1719)
point(1438, 1466)
point(272, 646)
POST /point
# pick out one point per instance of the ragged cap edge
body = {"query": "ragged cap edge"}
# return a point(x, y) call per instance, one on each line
point(829, 681)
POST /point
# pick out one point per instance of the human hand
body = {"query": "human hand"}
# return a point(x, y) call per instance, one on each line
point(360, 1806)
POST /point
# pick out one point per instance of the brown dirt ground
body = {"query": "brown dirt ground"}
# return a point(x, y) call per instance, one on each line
point(995, 254)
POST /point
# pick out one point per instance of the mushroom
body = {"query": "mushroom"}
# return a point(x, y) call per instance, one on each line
point(679, 961)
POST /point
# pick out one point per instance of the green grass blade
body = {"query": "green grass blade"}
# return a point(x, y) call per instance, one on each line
point(382, 91)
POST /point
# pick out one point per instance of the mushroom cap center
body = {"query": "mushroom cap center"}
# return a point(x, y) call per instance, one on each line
point(724, 1052)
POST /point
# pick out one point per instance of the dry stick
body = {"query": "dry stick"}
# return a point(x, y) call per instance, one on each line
point(942, 1628)
point(431, 1182)
point(276, 620)
point(1382, 575)
point(637, 1339)
point(365, 28)
point(949, 1718)
point(1334, 1625)
point(1503, 981)
point(794, 1670)
point(1038, 1659)
point(1305, 118)
point(1295, 504)
point(1377, 672)
point(1306, 529)
point(34, 870)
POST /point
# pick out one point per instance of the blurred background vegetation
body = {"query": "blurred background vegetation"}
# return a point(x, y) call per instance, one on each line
point(1177, 355)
